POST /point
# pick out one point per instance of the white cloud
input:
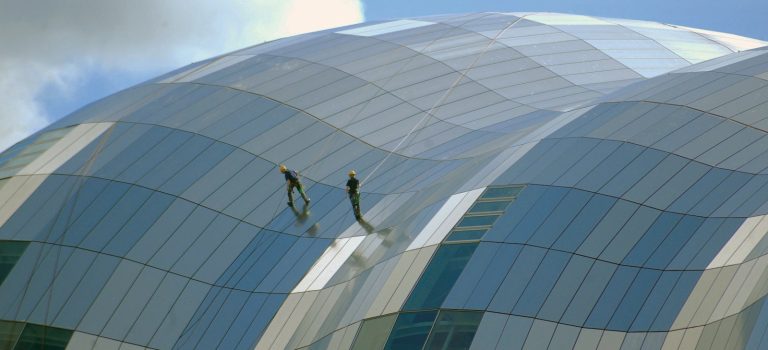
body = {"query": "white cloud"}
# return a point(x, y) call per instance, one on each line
point(57, 43)
point(302, 16)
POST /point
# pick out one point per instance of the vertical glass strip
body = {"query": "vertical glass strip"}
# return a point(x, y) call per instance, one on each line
point(24, 152)
point(465, 235)
point(373, 333)
point(439, 276)
point(10, 251)
point(36, 337)
point(479, 220)
point(501, 192)
point(454, 330)
point(9, 333)
point(480, 207)
point(410, 331)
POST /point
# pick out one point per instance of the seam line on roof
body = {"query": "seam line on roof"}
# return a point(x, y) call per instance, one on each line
point(647, 37)
point(531, 183)
point(522, 56)
point(700, 110)
point(171, 195)
point(660, 150)
point(717, 70)
point(575, 39)
point(269, 161)
point(289, 106)
point(640, 267)
point(154, 267)
point(516, 145)
point(535, 318)
point(601, 51)
point(549, 320)
point(390, 92)
point(367, 83)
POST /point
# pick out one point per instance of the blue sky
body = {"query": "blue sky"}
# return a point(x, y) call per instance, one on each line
point(743, 17)
point(66, 59)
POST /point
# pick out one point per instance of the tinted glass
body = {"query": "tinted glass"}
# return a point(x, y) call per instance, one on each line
point(373, 333)
point(24, 153)
point(481, 220)
point(499, 192)
point(488, 206)
point(36, 337)
point(439, 276)
point(10, 251)
point(465, 235)
point(454, 330)
point(9, 333)
point(410, 331)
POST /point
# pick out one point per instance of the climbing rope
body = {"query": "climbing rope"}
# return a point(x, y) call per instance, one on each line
point(442, 98)
point(73, 196)
point(329, 140)
point(84, 171)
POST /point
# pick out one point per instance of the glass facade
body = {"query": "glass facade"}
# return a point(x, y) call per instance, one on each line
point(527, 181)
point(10, 251)
point(27, 336)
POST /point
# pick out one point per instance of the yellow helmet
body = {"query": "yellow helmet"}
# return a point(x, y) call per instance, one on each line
point(352, 173)
point(283, 168)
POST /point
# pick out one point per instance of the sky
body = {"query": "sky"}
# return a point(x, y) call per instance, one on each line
point(58, 56)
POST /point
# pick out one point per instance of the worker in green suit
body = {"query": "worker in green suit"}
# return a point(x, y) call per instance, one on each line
point(353, 190)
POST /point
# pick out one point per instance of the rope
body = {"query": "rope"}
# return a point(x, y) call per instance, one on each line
point(442, 98)
point(75, 189)
point(327, 142)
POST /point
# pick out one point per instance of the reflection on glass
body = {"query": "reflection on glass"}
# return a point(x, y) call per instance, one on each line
point(366, 226)
point(33, 337)
point(480, 220)
point(489, 206)
point(483, 213)
point(9, 333)
point(373, 333)
point(10, 251)
point(439, 276)
point(410, 331)
point(301, 216)
point(465, 235)
point(23, 153)
point(502, 192)
point(454, 330)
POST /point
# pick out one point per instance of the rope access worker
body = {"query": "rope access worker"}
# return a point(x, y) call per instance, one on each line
point(353, 189)
point(291, 181)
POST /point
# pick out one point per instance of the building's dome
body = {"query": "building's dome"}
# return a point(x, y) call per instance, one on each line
point(529, 180)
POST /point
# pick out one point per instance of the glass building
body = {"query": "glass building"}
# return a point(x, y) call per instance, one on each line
point(529, 181)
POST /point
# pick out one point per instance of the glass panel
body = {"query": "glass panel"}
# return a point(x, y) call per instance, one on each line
point(465, 235)
point(386, 27)
point(25, 152)
point(498, 192)
point(9, 333)
point(439, 276)
point(454, 330)
point(10, 251)
point(481, 220)
point(488, 206)
point(36, 337)
point(373, 333)
point(410, 331)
